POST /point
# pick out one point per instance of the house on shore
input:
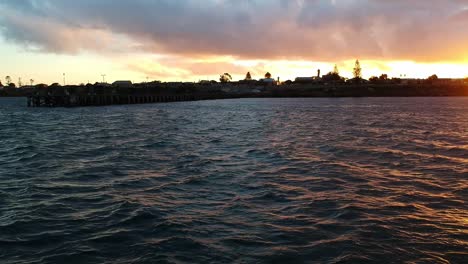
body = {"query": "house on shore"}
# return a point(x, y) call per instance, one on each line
point(304, 80)
point(122, 84)
point(269, 81)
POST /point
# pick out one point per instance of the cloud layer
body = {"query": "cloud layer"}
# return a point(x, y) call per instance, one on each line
point(320, 30)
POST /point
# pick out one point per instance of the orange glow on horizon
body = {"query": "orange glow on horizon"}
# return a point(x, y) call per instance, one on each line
point(47, 68)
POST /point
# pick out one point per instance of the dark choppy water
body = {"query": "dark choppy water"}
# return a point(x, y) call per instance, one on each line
point(246, 181)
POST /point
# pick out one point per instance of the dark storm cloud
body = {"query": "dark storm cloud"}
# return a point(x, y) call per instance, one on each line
point(425, 30)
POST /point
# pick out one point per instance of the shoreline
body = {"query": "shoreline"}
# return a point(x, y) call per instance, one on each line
point(99, 94)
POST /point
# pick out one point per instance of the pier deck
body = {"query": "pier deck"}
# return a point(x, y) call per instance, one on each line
point(102, 100)
point(79, 96)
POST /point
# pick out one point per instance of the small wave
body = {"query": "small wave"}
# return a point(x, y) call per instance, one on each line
point(250, 181)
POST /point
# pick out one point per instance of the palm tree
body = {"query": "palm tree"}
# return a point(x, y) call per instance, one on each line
point(8, 80)
point(268, 75)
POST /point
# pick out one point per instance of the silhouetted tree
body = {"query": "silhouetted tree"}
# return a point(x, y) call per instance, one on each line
point(433, 77)
point(224, 78)
point(248, 77)
point(357, 71)
point(1, 84)
point(336, 70)
point(383, 77)
point(374, 79)
point(12, 85)
point(8, 80)
point(268, 75)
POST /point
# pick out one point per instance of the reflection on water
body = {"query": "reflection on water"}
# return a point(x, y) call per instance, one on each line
point(257, 180)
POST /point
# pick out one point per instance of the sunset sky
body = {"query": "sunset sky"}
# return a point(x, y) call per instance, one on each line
point(192, 40)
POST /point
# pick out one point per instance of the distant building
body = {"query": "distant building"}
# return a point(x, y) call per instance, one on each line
point(102, 84)
point(411, 81)
point(305, 80)
point(269, 81)
point(41, 86)
point(449, 81)
point(439, 81)
point(174, 84)
point(122, 84)
point(252, 81)
point(28, 87)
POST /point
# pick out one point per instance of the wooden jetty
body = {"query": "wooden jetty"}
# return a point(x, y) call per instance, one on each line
point(79, 96)
point(102, 100)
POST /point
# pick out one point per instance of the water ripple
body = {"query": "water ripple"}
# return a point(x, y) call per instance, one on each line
point(380, 180)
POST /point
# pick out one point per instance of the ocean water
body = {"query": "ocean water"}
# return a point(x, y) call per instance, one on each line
point(368, 180)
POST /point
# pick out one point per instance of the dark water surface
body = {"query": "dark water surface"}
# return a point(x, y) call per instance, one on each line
point(247, 181)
